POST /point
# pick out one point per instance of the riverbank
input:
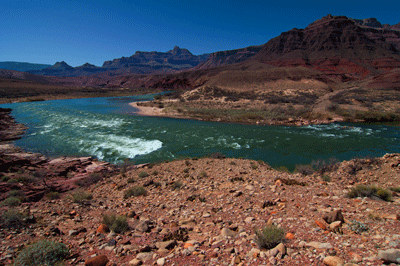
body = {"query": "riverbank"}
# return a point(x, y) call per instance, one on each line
point(217, 112)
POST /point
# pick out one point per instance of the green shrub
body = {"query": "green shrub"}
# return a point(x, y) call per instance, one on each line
point(12, 218)
point(269, 237)
point(371, 192)
point(358, 227)
point(143, 174)
point(130, 180)
point(186, 170)
point(117, 223)
point(17, 193)
point(44, 252)
point(203, 174)
point(177, 185)
point(395, 189)
point(81, 196)
point(326, 178)
point(253, 166)
point(135, 192)
point(53, 195)
point(11, 201)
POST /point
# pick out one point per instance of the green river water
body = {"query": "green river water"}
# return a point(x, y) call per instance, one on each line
point(108, 129)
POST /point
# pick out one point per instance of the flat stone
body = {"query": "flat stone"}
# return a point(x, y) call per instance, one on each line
point(135, 262)
point(389, 255)
point(227, 232)
point(333, 261)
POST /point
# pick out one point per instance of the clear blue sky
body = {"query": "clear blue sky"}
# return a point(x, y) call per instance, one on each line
point(80, 31)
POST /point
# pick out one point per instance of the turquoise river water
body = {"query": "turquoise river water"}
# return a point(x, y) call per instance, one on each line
point(108, 129)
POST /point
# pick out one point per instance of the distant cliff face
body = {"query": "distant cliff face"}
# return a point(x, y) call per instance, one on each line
point(175, 59)
point(224, 58)
point(336, 45)
point(139, 63)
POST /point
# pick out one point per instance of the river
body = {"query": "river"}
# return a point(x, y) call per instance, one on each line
point(108, 129)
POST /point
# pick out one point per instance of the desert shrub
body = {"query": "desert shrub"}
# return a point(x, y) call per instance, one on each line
point(117, 223)
point(202, 199)
point(135, 192)
point(332, 107)
point(358, 227)
point(5, 178)
point(236, 178)
point(16, 193)
point(92, 178)
point(81, 196)
point(130, 180)
point(253, 166)
point(395, 189)
point(53, 195)
point(203, 174)
point(269, 237)
point(156, 184)
point(186, 170)
point(177, 185)
point(24, 179)
point(326, 178)
point(143, 174)
point(44, 252)
point(155, 172)
point(282, 169)
point(371, 192)
point(11, 201)
point(217, 155)
point(322, 166)
point(12, 218)
point(304, 169)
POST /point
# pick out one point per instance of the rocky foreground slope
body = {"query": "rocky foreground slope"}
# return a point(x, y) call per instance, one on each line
point(198, 211)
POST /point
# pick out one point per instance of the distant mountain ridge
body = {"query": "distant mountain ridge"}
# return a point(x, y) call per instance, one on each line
point(139, 63)
point(22, 66)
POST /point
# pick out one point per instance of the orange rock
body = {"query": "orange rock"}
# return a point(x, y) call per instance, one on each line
point(187, 245)
point(103, 229)
point(290, 236)
point(101, 260)
point(320, 224)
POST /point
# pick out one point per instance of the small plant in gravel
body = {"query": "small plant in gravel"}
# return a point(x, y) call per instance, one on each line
point(81, 196)
point(186, 170)
point(203, 174)
point(371, 192)
point(117, 223)
point(202, 199)
point(253, 166)
point(53, 195)
point(358, 227)
point(143, 174)
point(11, 201)
point(304, 169)
point(135, 192)
point(12, 218)
point(326, 178)
point(93, 178)
point(177, 185)
point(44, 252)
point(269, 236)
point(130, 180)
point(395, 189)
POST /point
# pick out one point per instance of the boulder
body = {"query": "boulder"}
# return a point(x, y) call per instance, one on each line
point(100, 260)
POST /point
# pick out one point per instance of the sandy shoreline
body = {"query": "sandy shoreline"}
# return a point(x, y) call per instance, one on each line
point(147, 110)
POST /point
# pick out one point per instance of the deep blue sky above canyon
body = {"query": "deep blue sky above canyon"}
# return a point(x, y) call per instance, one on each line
point(80, 31)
